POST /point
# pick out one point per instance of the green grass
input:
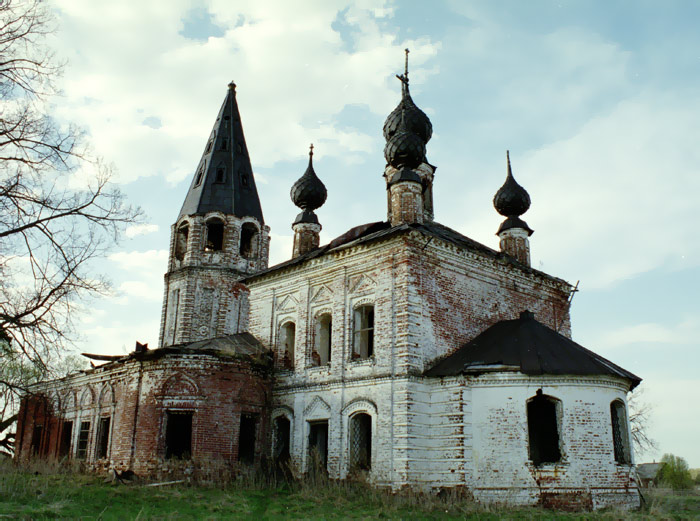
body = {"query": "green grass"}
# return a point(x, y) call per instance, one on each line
point(50, 494)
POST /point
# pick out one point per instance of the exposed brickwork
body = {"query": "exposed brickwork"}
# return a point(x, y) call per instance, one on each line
point(306, 238)
point(136, 396)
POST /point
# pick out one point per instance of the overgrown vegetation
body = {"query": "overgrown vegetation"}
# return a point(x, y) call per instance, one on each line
point(675, 473)
point(51, 492)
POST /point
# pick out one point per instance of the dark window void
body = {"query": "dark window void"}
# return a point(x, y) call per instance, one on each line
point(215, 235)
point(543, 429)
point(83, 440)
point(318, 445)
point(363, 342)
point(321, 354)
point(244, 180)
point(282, 433)
point(102, 448)
point(224, 144)
point(183, 233)
point(178, 434)
point(220, 174)
point(200, 175)
point(66, 437)
point(287, 340)
point(619, 431)
point(209, 145)
point(246, 438)
point(37, 435)
point(249, 233)
point(361, 442)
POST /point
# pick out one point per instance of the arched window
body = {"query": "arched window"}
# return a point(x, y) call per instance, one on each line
point(363, 332)
point(183, 233)
point(249, 234)
point(287, 339)
point(361, 442)
point(215, 235)
point(543, 429)
point(621, 442)
point(323, 329)
point(282, 433)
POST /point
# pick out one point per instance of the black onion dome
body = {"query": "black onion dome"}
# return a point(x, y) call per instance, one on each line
point(309, 193)
point(511, 199)
point(417, 121)
point(404, 148)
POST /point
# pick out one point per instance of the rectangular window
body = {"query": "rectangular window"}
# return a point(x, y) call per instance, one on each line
point(318, 445)
point(178, 434)
point(36, 439)
point(246, 438)
point(83, 440)
point(66, 439)
point(363, 341)
point(102, 438)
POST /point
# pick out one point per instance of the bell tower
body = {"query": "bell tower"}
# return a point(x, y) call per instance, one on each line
point(219, 237)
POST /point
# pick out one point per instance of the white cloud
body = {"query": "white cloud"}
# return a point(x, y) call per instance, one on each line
point(146, 262)
point(143, 290)
point(290, 63)
point(140, 229)
point(683, 333)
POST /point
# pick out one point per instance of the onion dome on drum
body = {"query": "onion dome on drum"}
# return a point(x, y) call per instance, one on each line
point(511, 199)
point(308, 193)
point(414, 118)
point(404, 148)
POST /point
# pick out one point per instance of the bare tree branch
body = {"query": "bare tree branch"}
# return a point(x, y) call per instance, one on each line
point(50, 231)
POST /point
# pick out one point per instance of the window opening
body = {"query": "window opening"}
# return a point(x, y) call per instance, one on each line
point(37, 433)
point(282, 434)
point(220, 174)
point(215, 235)
point(224, 144)
point(246, 438)
point(543, 429)
point(361, 442)
point(178, 434)
point(318, 445)
point(287, 339)
point(66, 437)
point(200, 174)
point(83, 439)
point(363, 342)
point(322, 345)
point(102, 438)
point(249, 233)
point(209, 145)
point(619, 432)
point(244, 179)
point(183, 233)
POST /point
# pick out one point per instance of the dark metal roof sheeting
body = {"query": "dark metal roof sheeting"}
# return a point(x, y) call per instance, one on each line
point(370, 232)
point(226, 183)
point(533, 347)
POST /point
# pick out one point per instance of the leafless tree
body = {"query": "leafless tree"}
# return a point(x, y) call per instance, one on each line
point(58, 210)
point(640, 412)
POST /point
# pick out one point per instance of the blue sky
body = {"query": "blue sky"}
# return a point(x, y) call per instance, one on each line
point(597, 102)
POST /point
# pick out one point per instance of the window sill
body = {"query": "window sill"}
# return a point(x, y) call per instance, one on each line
point(362, 361)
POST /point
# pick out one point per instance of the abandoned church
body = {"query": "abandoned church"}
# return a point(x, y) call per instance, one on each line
point(401, 351)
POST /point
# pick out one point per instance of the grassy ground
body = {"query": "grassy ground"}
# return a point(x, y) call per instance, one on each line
point(50, 495)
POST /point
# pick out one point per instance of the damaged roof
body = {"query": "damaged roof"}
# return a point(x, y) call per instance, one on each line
point(530, 347)
point(236, 345)
point(376, 231)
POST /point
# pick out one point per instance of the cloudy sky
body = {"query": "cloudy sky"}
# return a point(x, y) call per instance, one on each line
point(597, 102)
